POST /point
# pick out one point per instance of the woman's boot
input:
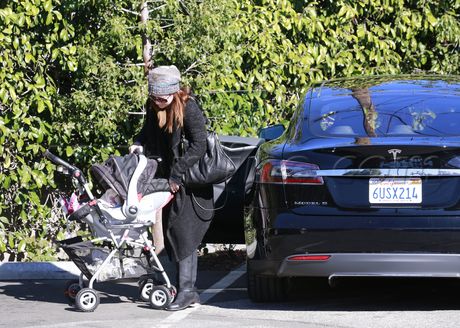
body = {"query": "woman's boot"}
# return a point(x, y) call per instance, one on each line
point(187, 294)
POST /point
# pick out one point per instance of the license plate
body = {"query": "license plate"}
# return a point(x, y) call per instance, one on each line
point(395, 191)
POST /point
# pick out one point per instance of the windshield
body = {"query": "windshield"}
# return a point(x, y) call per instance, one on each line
point(361, 113)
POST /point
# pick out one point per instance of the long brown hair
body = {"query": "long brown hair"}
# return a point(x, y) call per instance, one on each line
point(174, 113)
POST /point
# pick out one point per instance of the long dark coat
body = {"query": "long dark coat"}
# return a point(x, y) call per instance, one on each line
point(189, 215)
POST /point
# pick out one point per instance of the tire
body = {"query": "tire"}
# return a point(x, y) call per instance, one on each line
point(264, 288)
point(160, 297)
point(145, 289)
point(71, 289)
point(87, 300)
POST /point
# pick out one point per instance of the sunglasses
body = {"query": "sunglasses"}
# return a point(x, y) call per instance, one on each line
point(160, 100)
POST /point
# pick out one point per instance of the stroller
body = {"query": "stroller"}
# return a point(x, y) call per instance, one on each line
point(119, 221)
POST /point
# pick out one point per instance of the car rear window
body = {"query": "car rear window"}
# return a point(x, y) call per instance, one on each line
point(385, 114)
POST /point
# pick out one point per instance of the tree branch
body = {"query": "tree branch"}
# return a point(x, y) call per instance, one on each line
point(147, 46)
point(196, 63)
point(129, 11)
point(166, 26)
point(134, 64)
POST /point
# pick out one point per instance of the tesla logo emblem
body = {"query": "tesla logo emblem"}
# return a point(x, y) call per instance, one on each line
point(394, 152)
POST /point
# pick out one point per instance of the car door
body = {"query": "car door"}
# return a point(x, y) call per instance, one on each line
point(230, 196)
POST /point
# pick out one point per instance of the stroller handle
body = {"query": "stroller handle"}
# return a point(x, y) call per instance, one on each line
point(76, 173)
point(59, 161)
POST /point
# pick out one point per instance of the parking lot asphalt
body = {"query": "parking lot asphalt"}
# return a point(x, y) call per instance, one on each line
point(42, 302)
point(395, 303)
point(32, 295)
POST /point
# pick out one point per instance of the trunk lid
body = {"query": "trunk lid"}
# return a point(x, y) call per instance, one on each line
point(382, 176)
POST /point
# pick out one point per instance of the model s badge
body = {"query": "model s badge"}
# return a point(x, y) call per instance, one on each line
point(394, 152)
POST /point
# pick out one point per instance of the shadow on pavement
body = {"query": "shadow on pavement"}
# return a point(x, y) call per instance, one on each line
point(52, 291)
point(353, 294)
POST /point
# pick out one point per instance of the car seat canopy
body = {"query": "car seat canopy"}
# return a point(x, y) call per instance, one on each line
point(116, 173)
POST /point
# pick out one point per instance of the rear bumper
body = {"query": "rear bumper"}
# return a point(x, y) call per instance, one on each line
point(384, 265)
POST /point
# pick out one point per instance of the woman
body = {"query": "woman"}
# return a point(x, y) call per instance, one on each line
point(171, 112)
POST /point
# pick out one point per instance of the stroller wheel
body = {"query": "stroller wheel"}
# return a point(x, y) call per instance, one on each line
point(145, 289)
point(160, 297)
point(87, 300)
point(71, 289)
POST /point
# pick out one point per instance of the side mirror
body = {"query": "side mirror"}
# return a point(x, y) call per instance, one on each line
point(271, 132)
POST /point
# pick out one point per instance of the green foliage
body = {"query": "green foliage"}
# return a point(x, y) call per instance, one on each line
point(93, 113)
point(72, 70)
point(34, 51)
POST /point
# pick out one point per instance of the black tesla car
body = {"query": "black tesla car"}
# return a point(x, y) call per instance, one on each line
point(364, 182)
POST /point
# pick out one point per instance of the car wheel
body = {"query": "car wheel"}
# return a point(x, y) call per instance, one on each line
point(262, 288)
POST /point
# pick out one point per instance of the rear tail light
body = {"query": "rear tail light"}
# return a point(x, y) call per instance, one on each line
point(290, 172)
point(309, 258)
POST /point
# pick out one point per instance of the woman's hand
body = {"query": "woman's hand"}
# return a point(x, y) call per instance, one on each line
point(136, 149)
point(174, 186)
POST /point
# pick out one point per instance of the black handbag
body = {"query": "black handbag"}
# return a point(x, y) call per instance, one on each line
point(214, 167)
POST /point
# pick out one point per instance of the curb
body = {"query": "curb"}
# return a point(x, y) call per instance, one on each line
point(65, 269)
point(38, 270)
point(53, 270)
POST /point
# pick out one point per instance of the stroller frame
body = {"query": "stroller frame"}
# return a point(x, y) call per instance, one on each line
point(86, 298)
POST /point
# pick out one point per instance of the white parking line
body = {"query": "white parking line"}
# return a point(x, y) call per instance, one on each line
point(205, 296)
point(222, 284)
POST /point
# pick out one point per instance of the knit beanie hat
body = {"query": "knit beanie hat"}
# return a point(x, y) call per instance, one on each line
point(163, 80)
